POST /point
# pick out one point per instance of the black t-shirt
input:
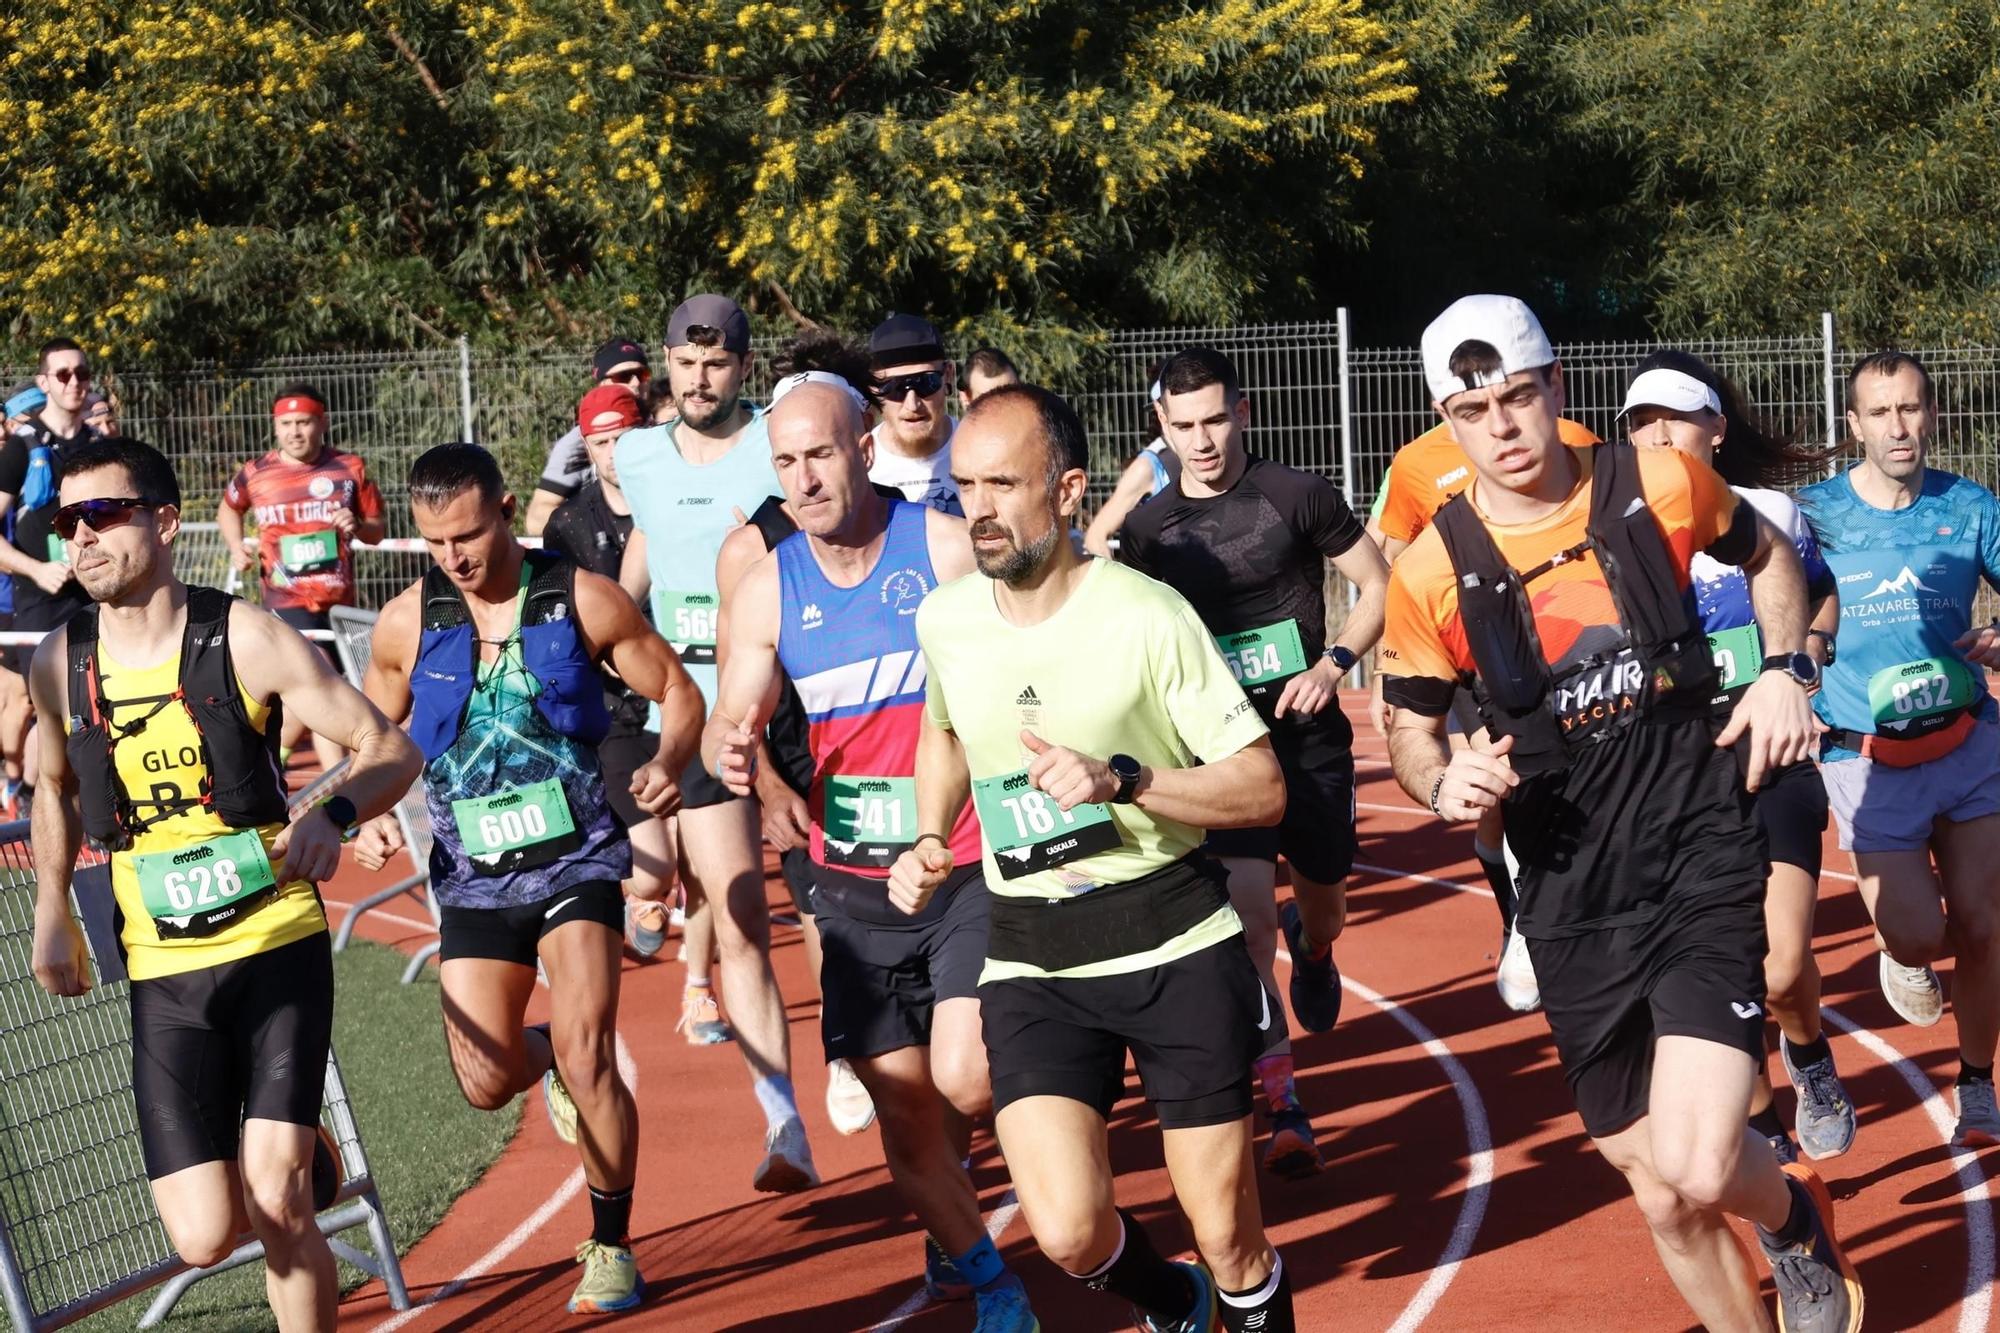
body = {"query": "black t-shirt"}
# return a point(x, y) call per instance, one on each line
point(1250, 558)
point(587, 530)
point(33, 528)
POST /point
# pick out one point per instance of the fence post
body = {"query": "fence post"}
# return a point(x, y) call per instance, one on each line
point(1346, 407)
point(1832, 402)
point(465, 387)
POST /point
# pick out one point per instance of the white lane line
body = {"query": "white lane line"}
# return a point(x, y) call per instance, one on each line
point(1392, 873)
point(920, 1300)
point(427, 927)
point(1976, 1305)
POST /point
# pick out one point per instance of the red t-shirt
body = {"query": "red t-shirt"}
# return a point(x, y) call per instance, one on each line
point(306, 562)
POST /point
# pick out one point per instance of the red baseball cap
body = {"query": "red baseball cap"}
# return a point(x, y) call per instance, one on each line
point(608, 407)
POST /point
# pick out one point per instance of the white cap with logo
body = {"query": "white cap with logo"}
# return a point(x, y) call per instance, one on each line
point(1503, 323)
point(1674, 390)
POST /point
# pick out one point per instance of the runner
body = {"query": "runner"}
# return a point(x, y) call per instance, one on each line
point(833, 605)
point(985, 369)
point(168, 691)
point(912, 443)
point(312, 503)
point(620, 361)
point(1156, 468)
point(493, 658)
point(589, 530)
point(1247, 541)
point(1676, 400)
point(1642, 875)
point(1109, 930)
point(1912, 760)
point(689, 482)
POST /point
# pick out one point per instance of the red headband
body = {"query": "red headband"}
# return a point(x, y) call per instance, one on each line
point(296, 404)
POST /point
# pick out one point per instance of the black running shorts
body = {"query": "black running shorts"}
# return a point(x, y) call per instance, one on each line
point(797, 866)
point(1316, 835)
point(1695, 968)
point(513, 934)
point(879, 983)
point(217, 1045)
point(699, 787)
point(1791, 807)
point(625, 749)
point(1194, 1027)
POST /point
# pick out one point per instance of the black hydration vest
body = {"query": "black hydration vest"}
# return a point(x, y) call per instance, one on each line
point(1513, 685)
point(243, 782)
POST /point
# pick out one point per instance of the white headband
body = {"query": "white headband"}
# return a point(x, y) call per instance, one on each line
point(826, 377)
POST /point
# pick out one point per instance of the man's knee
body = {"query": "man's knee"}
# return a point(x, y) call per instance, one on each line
point(962, 1078)
point(1912, 940)
point(485, 1087)
point(280, 1206)
point(587, 1058)
point(1784, 973)
point(201, 1241)
point(1075, 1239)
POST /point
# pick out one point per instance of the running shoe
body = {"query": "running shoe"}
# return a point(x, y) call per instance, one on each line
point(1818, 1290)
point(848, 1104)
point(1201, 1319)
point(646, 927)
point(701, 1017)
point(326, 1170)
point(1978, 1117)
point(1913, 992)
point(1784, 1149)
point(1515, 977)
point(611, 1280)
point(942, 1280)
point(1826, 1114)
point(1315, 982)
point(787, 1167)
point(1003, 1308)
point(562, 1111)
point(1292, 1154)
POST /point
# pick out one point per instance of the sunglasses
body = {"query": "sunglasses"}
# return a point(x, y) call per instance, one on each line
point(924, 384)
point(101, 515)
point(628, 377)
point(81, 374)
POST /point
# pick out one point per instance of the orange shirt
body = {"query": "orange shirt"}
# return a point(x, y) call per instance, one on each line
point(1431, 469)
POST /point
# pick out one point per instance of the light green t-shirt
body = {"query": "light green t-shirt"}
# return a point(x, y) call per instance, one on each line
point(1124, 667)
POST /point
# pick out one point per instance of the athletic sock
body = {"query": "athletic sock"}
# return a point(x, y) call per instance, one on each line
point(1798, 1222)
point(1766, 1122)
point(981, 1265)
point(1972, 1073)
point(1494, 864)
point(696, 983)
point(610, 1216)
point(1135, 1272)
point(1275, 1075)
point(1265, 1308)
point(1808, 1052)
point(774, 1094)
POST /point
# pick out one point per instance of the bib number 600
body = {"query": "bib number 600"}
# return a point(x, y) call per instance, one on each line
point(202, 886)
point(513, 826)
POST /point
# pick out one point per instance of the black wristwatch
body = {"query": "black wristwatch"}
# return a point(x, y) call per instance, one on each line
point(1798, 666)
point(1825, 638)
point(1126, 769)
point(1343, 656)
point(342, 812)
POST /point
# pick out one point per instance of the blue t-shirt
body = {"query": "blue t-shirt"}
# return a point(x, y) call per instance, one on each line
point(1907, 580)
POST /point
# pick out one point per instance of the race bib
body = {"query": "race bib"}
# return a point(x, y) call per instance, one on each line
point(1738, 654)
point(196, 891)
point(1029, 831)
point(1260, 656)
point(687, 621)
point(309, 552)
point(1910, 692)
point(868, 821)
point(516, 829)
point(58, 550)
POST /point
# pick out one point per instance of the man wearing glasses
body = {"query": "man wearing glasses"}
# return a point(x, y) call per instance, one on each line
point(45, 594)
point(619, 361)
point(913, 441)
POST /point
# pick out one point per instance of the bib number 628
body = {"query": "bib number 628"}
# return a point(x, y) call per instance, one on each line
point(202, 886)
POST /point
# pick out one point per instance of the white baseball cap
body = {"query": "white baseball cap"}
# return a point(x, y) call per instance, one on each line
point(1675, 390)
point(1504, 323)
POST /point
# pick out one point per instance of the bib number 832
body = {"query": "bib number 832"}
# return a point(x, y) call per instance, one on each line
point(511, 827)
point(202, 886)
point(1925, 695)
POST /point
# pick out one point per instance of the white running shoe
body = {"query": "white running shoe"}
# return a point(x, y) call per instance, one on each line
point(787, 1167)
point(1913, 992)
point(848, 1104)
point(1515, 977)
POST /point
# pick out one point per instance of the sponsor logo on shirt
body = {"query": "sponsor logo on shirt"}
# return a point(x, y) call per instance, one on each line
point(697, 500)
point(1027, 698)
point(810, 617)
point(903, 590)
point(320, 488)
point(1903, 584)
point(1456, 474)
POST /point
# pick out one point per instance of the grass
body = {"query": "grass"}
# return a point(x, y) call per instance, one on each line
point(425, 1144)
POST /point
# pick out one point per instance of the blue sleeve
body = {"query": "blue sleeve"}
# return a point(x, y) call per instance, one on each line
point(1989, 542)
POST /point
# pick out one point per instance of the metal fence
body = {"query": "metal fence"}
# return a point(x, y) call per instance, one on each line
point(1320, 403)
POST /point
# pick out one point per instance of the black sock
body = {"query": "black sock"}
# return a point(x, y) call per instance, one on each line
point(1265, 1308)
point(1138, 1274)
point(1808, 1052)
point(1798, 1222)
point(610, 1216)
point(1766, 1122)
point(1969, 1072)
point(1503, 884)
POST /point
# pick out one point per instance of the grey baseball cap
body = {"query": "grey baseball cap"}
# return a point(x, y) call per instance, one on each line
point(711, 312)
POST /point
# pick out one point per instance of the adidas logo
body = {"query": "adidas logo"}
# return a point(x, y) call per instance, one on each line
point(1027, 698)
point(810, 617)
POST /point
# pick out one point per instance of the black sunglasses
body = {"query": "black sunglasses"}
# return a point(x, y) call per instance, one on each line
point(925, 383)
point(636, 375)
point(67, 373)
point(101, 515)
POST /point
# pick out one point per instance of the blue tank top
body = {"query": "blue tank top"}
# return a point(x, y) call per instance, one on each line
point(1722, 593)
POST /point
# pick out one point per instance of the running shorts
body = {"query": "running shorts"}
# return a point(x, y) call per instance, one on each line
point(879, 983)
point(1193, 1026)
point(1791, 806)
point(1883, 809)
point(1695, 968)
point(699, 787)
point(797, 866)
point(1316, 835)
point(219, 1044)
point(625, 749)
point(514, 934)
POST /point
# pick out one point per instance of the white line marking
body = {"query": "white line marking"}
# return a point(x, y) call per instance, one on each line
point(920, 1300)
point(1425, 879)
point(428, 927)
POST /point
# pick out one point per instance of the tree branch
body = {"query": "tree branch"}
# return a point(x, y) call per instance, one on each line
point(791, 311)
point(409, 53)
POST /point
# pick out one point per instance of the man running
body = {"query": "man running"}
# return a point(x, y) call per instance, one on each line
point(690, 482)
point(1912, 760)
point(494, 658)
point(158, 746)
point(912, 443)
point(621, 361)
point(986, 369)
point(1247, 541)
point(1071, 699)
point(835, 606)
point(312, 503)
point(1642, 873)
point(1155, 468)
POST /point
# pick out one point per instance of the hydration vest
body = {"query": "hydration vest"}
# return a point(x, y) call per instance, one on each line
point(571, 699)
point(1513, 685)
point(242, 780)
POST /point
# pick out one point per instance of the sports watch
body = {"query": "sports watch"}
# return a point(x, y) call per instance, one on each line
point(1343, 656)
point(1798, 666)
point(1126, 769)
point(1824, 638)
point(342, 812)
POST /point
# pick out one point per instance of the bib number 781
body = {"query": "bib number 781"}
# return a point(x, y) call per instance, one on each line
point(1034, 814)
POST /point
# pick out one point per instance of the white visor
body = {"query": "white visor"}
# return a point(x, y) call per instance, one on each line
point(1672, 389)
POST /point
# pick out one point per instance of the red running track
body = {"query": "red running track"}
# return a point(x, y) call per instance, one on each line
point(1460, 1193)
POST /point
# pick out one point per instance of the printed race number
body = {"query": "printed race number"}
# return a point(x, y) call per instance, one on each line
point(196, 890)
point(1030, 831)
point(1260, 656)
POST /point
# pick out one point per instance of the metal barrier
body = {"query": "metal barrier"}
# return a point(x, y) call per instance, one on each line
point(78, 1230)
